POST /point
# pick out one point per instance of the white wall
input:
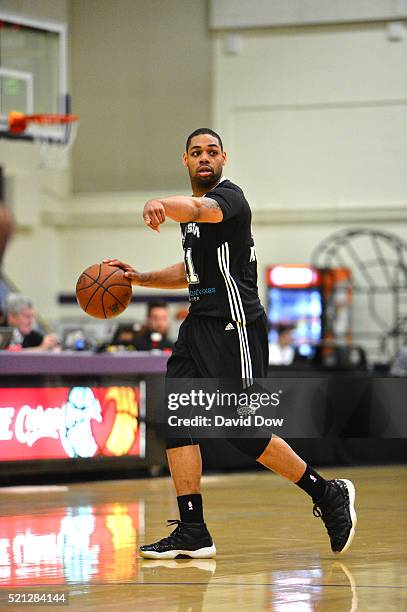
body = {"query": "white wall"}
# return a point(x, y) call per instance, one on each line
point(315, 119)
point(226, 14)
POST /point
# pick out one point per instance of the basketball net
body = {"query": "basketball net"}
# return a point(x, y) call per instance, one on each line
point(53, 135)
point(54, 151)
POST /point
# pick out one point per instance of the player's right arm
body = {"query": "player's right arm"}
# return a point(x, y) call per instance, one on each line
point(173, 277)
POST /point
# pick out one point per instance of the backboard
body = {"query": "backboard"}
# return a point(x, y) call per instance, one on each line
point(33, 70)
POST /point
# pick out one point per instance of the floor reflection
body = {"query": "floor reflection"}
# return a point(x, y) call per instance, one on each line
point(339, 571)
point(299, 589)
point(306, 590)
point(193, 575)
point(72, 544)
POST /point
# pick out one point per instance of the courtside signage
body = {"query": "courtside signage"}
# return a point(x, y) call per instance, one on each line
point(71, 422)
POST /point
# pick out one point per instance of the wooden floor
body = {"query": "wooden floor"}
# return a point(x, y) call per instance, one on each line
point(272, 553)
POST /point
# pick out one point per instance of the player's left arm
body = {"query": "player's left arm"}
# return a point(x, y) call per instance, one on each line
point(181, 209)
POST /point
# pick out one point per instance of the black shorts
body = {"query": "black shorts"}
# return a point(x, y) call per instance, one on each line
point(217, 348)
point(220, 348)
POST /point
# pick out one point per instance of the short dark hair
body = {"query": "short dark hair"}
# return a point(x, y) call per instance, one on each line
point(155, 304)
point(282, 328)
point(203, 131)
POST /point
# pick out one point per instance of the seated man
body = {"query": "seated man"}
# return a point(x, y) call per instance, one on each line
point(125, 335)
point(282, 352)
point(154, 334)
point(19, 313)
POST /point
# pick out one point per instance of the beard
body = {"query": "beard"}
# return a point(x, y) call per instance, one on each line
point(207, 181)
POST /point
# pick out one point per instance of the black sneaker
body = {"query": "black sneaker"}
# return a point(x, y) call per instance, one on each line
point(187, 540)
point(336, 508)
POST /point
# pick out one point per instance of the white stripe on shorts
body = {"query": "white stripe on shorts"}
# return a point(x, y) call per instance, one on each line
point(237, 313)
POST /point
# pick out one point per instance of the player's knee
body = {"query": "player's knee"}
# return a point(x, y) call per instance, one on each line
point(252, 447)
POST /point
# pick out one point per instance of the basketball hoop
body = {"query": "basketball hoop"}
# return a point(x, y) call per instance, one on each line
point(54, 135)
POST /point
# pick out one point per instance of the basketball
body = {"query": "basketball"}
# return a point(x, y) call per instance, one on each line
point(103, 291)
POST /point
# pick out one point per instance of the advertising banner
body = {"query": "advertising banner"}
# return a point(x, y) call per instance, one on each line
point(71, 422)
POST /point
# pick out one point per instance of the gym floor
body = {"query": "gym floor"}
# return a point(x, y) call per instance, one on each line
point(81, 540)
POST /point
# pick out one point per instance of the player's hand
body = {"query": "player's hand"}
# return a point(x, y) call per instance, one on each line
point(154, 214)
point(129, 272)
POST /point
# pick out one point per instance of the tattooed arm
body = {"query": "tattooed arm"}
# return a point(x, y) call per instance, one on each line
point(181, 209)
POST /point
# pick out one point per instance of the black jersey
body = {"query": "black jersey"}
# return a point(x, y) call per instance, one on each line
point(220, 260)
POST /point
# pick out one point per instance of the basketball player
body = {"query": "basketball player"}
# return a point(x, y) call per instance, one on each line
point(224, 336)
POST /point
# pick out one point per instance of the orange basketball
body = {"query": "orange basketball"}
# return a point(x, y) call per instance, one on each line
point(103, 291)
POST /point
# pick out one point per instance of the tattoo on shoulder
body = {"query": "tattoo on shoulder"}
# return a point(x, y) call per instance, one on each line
point(209, 204)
